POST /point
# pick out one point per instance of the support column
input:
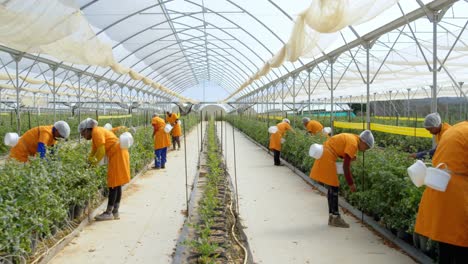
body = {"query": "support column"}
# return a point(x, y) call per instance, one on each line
point(367, 46)
point(282, 98)
point(18, 120)
point(435, 20)
point(308, 87)
point(53, 68)
point(332, 88)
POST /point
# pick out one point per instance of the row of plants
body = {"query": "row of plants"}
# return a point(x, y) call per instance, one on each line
point(205, 248)
point(384, 191)
point(43, 197)
point(408, 144)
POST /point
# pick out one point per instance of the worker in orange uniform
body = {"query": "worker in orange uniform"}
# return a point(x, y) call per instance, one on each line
point(176, 134)
point(312, 126)
point(160, 142)
point(105, 143)
point(343, 146)
point(276, 139)
point(172, 119)
point(37, 139)
point(443, 216)
point(434, 125)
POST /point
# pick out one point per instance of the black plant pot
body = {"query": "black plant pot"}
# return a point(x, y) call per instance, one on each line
point(416, 240)
point(71, 212)
point(78, 211)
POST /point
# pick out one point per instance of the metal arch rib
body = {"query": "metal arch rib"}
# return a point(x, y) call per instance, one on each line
point(248, 33)
point(169, 21)
point(149, 65)
point(182, 68)
point(190, 28)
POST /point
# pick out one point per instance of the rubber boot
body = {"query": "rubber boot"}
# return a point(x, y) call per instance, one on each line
point(115, 211)
point(107, 215)
point(337, 221)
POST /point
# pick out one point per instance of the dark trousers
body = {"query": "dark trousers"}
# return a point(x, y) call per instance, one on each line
point(332, 197)
point(276, 157)
point(451, 254)
point(115, 194)
point(174, 141)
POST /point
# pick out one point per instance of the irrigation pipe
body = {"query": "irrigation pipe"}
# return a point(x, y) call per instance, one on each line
point(234, 233)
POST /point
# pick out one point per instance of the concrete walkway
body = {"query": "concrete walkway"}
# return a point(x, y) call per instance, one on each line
point(151, 218)
point(286, 220)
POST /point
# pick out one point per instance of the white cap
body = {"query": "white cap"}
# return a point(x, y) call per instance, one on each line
point(367, 137)
point(305, 120)
point(432, 120)
point(63, 128)
point(108, 126)
point(87, 123)
point(286, 120)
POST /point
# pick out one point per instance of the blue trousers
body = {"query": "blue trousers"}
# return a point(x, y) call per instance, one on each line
point(160, 157)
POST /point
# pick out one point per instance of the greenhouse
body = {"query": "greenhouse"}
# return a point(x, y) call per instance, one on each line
point(204, 131)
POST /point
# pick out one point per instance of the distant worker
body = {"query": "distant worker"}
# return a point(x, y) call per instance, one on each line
point(37, 139)
point(105, 143)
point(343, 146)
point(434, 125)
point(443, 216)
point(313, 127)
point(171, 118)
point(276, 139)
point(176, 134)
point(160, 142)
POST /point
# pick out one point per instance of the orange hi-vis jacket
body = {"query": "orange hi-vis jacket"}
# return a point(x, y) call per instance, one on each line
point(443, 216)
point(118, 170)
point(324, 169)
point(27, 144)
point(275, 139)
point(314, 127)
point(160, 137)
point(445, 127)
point(177, 130)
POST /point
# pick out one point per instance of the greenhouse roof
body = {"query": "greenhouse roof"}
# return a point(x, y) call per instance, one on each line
point(202, 50)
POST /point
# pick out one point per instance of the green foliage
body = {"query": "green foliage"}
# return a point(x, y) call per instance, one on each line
point(384, 189)
point(35, 197)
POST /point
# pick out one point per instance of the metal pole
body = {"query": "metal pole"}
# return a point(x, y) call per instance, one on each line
point(201, 130)
point(54, 68)
point(434, 62)
point(408, 114)
point(294, 99)
point(186, 177)
point(282, 98)
point(308, 89)
point(331, 94)
point(235, 169)
point(368, 87)
point(18, 120)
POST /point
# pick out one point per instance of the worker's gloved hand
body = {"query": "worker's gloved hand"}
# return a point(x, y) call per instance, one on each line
point(92, 160)
point(413, 155)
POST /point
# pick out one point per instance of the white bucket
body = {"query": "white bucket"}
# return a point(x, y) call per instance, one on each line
point(168, 128)
point(283, 140)
point(339, 168)
point(272, 129)
point(326, 130)
point(417, 173)
point(316, 151)
point(437, 179)
point(11, 139)
point(108, 126)
point(126, 140)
